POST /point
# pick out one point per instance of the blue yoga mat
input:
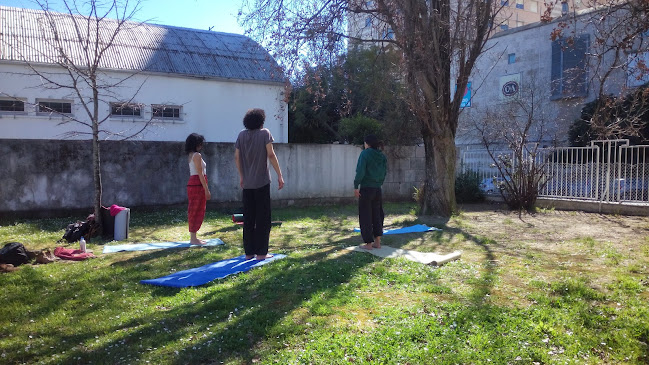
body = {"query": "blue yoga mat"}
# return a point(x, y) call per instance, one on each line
point(205, 274)
point(411, 229)
point(157, 246)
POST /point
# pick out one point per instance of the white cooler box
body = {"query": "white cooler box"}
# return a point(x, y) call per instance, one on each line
point(122, 220)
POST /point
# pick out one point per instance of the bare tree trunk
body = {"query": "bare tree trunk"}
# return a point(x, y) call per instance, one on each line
point(96, 162)
point(439, 185)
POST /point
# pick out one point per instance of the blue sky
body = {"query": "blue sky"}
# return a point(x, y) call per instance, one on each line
point(197, 14)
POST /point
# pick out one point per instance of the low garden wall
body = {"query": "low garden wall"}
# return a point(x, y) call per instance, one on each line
point(54, 177)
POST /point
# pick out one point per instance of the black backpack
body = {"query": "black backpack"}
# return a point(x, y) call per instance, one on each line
point(74, 231)
point(14, 253)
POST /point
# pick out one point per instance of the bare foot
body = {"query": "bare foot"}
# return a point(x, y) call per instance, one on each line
point(250, 257)
point(376, 246)
point(197, 242)
point(264, 257)
point(367, 246)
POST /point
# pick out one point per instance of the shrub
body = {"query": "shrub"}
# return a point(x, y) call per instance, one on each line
point(355, 129)
point(523, 177)
point(467, 187)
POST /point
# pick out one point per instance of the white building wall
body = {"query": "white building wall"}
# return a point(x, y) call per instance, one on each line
point(214, 108)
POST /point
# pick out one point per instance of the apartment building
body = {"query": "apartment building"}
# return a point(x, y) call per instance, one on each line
point(513, 14)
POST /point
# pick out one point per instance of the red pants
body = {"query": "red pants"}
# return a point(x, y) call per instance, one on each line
point(197, 201)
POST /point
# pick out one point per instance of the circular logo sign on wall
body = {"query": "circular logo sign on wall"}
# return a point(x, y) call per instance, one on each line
point(510, 88)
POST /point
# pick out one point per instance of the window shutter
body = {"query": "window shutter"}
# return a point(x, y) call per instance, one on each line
point(569, 75)
point(574, 67)
point(555, 73)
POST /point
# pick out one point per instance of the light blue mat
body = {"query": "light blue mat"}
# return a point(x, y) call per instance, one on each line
point(205, 274)
point(157, 246)
point(411, 229)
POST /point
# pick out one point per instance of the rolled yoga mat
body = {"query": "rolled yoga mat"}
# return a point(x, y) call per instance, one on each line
point(238, 219)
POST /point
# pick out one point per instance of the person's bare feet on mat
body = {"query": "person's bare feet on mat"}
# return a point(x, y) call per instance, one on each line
point(264, 257)
point(377, 242)
point(367, 246)
point(197, 242)
point(250, 257)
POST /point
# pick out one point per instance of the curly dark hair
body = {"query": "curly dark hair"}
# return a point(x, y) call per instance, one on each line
point(254, 118)
point(193, 141)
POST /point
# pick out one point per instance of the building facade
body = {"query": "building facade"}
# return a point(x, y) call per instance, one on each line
point(164, 81)
point(527, 67)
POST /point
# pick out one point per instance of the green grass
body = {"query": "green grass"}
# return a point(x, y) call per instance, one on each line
point(502, 302)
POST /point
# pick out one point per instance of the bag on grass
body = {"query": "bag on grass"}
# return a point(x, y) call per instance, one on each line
point(14, 253)
point(74, 231)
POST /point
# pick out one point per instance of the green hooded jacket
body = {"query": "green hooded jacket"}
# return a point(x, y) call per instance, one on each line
point(371, 169)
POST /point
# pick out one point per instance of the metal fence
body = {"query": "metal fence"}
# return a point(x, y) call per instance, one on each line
point(604, 171)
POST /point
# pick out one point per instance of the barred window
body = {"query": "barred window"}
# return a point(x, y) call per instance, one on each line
point(63, 107)
point(125, 110)
point(12, 105)
point(166, 111)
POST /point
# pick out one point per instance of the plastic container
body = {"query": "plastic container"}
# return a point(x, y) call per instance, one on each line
point(122, 220)
point(82, 244)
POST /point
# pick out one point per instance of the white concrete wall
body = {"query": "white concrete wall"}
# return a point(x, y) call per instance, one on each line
point(214, 108)
point(142, 173)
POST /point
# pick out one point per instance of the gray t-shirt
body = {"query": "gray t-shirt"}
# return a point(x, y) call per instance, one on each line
point(253, 157)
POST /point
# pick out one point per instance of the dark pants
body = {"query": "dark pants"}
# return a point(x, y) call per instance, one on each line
point(370, 213)
point(256, 220)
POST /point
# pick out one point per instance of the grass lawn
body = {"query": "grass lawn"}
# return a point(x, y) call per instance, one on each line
point(548, 288)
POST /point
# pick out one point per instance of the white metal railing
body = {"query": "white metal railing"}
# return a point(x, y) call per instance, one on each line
point(605, 171)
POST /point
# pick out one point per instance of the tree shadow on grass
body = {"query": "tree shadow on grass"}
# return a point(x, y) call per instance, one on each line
point(229, 319)
point(230, 323)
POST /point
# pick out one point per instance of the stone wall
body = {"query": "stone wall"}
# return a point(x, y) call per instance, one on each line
point(53, 177)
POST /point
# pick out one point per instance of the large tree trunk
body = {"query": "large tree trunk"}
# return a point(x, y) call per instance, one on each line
point(439, 184)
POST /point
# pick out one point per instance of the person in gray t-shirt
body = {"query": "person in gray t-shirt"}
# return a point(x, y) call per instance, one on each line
point(253, 150)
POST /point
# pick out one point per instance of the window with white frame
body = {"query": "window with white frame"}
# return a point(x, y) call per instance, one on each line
point(519, 4)
point(11, 105)
point(125, 110)
point(54, 106)
point(166, 111)
point(569, 74)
